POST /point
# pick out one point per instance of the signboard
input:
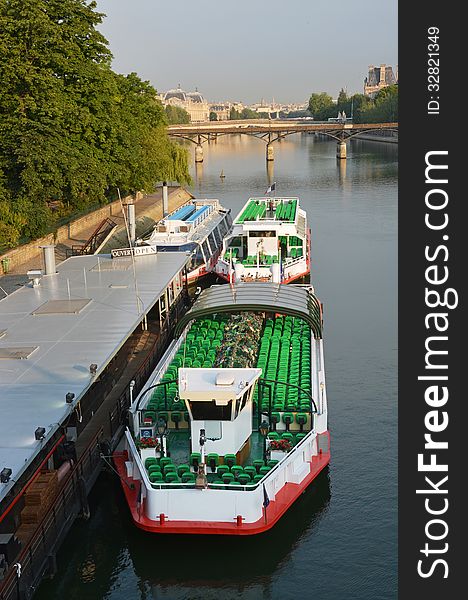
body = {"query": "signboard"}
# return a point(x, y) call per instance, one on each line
point(136, 251)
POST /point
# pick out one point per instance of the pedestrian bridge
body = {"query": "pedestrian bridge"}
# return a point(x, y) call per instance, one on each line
point(272, 130)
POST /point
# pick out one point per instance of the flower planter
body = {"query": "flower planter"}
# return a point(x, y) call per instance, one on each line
point(148, 453)
point(277, 454)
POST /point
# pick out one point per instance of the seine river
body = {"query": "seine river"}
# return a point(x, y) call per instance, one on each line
point(339, 541)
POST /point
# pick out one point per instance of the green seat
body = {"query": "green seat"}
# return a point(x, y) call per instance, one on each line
point(288, 436)
point(165, 460)
point(172, 477)
point(154, 469)
point(164, 415)
point(250, 471)
point(181, 469)
point(258, 464)
point(195, 459)
point(222, 469)
point(176, 417)
point(273, 435)
point(212, 459)
point(228, 477)
point(301, 420)
point(264, 470)
point(275, 418)
point(236, 470)
point(188, 477)
point(257, 478)
point(272, 463)
point(300, 436)
point(151, 460)
point(288, 418)
point(169, 468)
point(234, 482)
point(230, 459)
point(243, 478)
point(156, 477)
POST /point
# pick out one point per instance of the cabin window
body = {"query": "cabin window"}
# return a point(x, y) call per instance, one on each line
point(223, 228)
point(228, 219)
point(217, 236)
point(262, 234)
point(212, 241)
point(236, 241)
point(210, 411)
point(206, 250)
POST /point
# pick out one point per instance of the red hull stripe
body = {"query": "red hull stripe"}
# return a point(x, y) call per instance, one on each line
point(275, 510)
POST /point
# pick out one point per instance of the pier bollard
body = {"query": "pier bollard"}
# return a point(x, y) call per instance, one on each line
point(341, 150)
point(270, 152)
point(198, 153)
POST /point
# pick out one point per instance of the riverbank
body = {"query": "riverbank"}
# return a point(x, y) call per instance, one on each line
point(148, 210)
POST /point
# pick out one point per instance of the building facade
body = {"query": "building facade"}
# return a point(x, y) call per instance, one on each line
point(193, 102)
point(379, 78)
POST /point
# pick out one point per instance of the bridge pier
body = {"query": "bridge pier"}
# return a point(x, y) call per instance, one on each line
point(270, 152)
point(198, 153)
point(341, 150)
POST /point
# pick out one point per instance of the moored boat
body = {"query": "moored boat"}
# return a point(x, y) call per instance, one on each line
point(231, 426)
point(197, 227)
point(270, 241)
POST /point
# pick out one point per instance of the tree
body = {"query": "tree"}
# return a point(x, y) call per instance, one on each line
point(72, 130)
point(176, 115)
point(213, 116)
point(321, 106)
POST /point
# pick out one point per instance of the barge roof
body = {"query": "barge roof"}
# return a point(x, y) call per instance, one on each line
point(51, 334)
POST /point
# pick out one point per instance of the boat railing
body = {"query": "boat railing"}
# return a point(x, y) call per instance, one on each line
point(213, 486)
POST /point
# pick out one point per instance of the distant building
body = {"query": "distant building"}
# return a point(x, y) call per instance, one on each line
point(222, 110)
point(193, 102)
point(379, 78)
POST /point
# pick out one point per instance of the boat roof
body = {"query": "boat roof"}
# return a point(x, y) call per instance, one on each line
point(221, 384)
point(257, 210)
point(51, 333)
point(198, 234)
point(295, 300)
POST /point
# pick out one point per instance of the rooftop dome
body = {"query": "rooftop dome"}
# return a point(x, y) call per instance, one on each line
point(178, 93)
point(195, 97)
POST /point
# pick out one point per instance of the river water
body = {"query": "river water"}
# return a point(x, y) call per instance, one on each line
point(339, 541)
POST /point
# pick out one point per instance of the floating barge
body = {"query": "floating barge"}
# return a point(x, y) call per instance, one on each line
point(70, 343)
point(231, 427)
point(270, 241)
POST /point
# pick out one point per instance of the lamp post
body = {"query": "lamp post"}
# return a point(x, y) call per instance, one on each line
point(264, 430)
point(161, 429)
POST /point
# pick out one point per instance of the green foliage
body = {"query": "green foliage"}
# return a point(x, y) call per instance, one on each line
point(322, 106)
point(176, 115)
point(382, 109)
point(213, 116)
point(246, 113)
point(71, 129)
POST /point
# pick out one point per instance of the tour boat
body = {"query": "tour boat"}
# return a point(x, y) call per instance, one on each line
point(231, 427)
point(270, 241)
point(198, 227)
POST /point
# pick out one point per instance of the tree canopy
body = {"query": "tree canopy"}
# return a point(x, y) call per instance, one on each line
point(71, 130)
point(176, 115)
point(364, 109)
point(321, 106)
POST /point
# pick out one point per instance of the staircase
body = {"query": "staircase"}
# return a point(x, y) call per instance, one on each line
point(99, 236)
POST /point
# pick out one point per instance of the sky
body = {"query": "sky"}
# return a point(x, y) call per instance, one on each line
point(246, 50)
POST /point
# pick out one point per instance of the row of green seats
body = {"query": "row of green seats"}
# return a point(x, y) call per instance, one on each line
point(296, 252)
point(295, 241)
point(287, 435)
point(163, 470)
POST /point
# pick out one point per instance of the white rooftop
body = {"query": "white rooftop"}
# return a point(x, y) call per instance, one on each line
point(52, 333)
point(221, 384)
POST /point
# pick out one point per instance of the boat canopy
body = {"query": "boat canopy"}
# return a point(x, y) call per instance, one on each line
point(294, 300)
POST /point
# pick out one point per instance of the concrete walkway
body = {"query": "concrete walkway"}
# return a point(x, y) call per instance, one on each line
point(148, 211)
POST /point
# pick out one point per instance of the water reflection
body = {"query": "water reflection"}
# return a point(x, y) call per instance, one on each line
point(270, 166)
point(230, 563)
